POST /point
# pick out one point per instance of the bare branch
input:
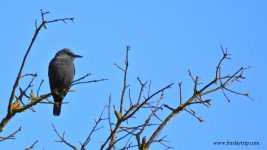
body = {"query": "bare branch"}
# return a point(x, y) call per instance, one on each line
point(90, 81)
point(143, 85)
point(11, 136)
point(10, 111)
point(40, 87)
point(79, 80)
point(197, 95)
point(129, 115)
point(193, 114)
point(94, 129)
point(124, 78)
point(62, 139)
point(180, 92)
point(32, 146)
point(109, 117)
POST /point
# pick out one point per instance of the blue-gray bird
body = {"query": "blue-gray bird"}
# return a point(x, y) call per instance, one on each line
point(61, 73)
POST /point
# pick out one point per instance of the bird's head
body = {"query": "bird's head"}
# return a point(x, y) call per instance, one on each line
point(66, 54)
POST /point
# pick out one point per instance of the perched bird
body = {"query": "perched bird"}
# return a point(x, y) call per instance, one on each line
point(61, 73)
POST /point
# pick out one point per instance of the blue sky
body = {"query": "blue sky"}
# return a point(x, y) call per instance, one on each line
point(167, 39)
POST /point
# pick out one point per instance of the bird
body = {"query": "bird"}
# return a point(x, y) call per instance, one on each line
point(61, 73)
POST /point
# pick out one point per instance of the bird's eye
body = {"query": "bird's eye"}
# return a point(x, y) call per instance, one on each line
point(68, 53)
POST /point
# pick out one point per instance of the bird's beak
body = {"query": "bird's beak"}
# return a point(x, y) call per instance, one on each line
point(77, 56)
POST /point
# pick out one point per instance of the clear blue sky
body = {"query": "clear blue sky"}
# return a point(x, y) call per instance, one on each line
point(167, 38)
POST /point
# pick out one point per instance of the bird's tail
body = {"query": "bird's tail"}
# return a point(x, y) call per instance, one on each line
point(56, 110)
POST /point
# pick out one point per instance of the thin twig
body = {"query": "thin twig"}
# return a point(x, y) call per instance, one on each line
point(124, 78)
point(10, 136)
point(180, 92)
point(198, 94)
point(62, 139)
point(32, 146)
point(94, 129)
point(91, 81)
point(40, 87)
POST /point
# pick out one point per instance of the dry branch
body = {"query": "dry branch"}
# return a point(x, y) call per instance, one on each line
point(11, 136)
point(197, 96)
point(135, 106)
point(16, 104)
point(123, 134)
point(32, 146)
point(11, 111)
point(94, 129)
point(62, 139)
point(120, 130)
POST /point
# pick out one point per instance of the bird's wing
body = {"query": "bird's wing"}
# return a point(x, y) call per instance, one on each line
point(73, 69)
point(53, 74)
point(60, 74)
